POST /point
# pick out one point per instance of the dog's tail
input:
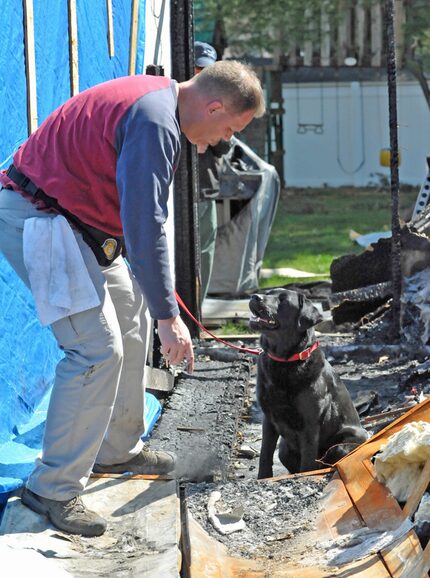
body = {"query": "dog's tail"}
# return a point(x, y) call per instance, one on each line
point(337, 452)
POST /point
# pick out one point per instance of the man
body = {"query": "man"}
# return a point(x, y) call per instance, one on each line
point(205, 55)
point(105, 160)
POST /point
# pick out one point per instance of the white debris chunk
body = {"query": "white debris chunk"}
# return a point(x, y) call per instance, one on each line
point(361, 543)
point(400, 461)
point(225, 522)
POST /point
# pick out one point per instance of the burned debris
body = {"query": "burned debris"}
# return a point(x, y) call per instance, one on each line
point(275, 515)
point(362, 283)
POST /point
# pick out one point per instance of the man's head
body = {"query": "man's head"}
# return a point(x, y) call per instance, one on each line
point(204, 55)
point(221, 100)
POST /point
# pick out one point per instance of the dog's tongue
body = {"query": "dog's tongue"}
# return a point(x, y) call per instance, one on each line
point(257, 319)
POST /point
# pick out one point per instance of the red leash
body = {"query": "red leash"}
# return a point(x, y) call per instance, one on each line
point(243, 349)
point(301, 356)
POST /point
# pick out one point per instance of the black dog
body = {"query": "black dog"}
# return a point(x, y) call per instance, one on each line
point(302, 398)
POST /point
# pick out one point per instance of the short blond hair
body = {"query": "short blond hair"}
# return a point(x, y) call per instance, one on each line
point(234, 82)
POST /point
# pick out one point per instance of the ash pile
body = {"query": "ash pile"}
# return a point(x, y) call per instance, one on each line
point(259, 519)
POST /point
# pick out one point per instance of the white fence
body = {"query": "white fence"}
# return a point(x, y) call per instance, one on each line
point(333, 133)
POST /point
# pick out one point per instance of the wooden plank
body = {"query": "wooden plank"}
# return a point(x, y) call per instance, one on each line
point(73, 48)
point(360, 30)
point(421, 566)
point(159, 379)
point(30, 69)
point(110, 35)
point(325, 36)
point(142, 536)
point(308, 44)
point(133, 37)
point(288, 272)
point(343, 35)
point(216, 309)
point(378, 508)
point(292, 53)
point(376, 33)
point(404, 559)
point(338, 515)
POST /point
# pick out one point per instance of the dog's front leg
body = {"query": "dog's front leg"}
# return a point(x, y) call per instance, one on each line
point(309, 451)
point(268, 446)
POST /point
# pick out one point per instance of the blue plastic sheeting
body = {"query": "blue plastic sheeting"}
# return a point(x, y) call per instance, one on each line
point(28, 354)
point(28, 357)
point(18, 454)
point(52, 58)
point(369, 238)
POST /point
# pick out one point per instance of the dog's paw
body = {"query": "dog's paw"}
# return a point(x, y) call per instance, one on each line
point(262, 475)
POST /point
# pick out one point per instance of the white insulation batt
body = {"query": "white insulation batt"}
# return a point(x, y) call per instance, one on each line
point(422, 515)
point(400, 461)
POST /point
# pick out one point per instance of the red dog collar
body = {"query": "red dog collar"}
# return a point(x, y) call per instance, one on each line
point(297, 356)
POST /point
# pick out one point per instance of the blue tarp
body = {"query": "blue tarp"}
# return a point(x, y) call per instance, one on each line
point(52, 58)
point(28, 356)
point(28, 352)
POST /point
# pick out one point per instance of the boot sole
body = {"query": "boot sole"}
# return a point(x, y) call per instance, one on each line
point(135, 471)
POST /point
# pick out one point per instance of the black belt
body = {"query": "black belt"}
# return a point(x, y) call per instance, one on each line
point(105, 247)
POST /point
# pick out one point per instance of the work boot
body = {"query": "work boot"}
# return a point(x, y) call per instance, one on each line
point(68, 515)
point(146, 462)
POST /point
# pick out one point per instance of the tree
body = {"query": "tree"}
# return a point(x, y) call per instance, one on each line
point(265, 28)
point(417, 44)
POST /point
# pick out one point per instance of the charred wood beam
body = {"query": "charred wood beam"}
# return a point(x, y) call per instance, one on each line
point(396, 273)
point(362, 294)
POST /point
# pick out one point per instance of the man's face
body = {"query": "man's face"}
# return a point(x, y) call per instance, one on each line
point(214, 123)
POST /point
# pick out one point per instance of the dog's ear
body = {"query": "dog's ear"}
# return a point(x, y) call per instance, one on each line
point(309, 314)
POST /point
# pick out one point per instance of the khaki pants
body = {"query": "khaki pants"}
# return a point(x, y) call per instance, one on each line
point(96, 410)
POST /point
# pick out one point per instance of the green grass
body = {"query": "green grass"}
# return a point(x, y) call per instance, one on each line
point(239, 327)
point(312, 226)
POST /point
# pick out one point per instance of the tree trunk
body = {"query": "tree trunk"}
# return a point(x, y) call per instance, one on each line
point(416, 69)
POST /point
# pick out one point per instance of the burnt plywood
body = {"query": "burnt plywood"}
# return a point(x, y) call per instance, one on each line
point(353, 499)
point(303, 559)
point(377, 507)
point(142, 537)
point(201, 418)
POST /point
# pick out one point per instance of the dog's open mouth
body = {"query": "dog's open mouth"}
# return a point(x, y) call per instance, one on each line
point(261, 317)
point(260, 322)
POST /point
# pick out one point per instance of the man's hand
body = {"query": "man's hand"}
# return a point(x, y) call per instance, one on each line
point(176, 342)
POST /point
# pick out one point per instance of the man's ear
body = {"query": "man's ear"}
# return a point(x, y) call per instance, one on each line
point(214, 106)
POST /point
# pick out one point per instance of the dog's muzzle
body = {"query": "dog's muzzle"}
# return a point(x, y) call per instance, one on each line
point(260, 316)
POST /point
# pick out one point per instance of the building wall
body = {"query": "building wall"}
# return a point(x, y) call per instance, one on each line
point(333, 133)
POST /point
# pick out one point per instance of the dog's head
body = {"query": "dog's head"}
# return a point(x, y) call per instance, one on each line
point(282, 312)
